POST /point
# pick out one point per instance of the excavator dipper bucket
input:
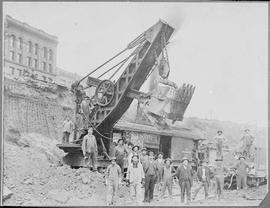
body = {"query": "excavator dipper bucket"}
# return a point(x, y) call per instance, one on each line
point(180, 102)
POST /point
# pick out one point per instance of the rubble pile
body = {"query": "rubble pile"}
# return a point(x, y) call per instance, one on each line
point(35, 175)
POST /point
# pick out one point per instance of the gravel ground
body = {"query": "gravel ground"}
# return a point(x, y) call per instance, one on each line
point(34, 174)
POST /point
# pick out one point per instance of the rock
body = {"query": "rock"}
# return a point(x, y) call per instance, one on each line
point(6, 193)
point(12, 186)
point(59, 196)
point(85, 178)
point(28, 181)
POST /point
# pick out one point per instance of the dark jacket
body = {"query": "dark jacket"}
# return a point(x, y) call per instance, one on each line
point(150, 171)
point(184, 174)
point(207, 173)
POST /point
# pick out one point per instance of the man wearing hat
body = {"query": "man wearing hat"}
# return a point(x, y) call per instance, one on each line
point(242, 169)
point(167, 177)
point(184, 175)
point(89, 148)
point(67, 129)
point(203, 174)
point(112, 180)
point(120, 154)
point(135, 176)
point(247, 141)
point(160, 165)
point(150, 170)
point(220, 139)
point(134, 151)
point(143, 156)
point(219, 177)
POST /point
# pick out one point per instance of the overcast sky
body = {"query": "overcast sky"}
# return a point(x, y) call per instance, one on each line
point(221, 48)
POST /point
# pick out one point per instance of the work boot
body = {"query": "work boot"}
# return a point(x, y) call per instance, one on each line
point(145, 200)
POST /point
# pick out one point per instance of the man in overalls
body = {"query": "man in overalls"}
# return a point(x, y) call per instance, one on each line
point(167, 178)
point(135, 176)
point(220, 140)
point(242, 172)
point(112, 180)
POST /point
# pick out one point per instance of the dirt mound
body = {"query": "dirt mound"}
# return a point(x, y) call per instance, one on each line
point(34, 172)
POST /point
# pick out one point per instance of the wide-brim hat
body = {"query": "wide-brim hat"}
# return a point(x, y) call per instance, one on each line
point(135, 146)
point(113, 158)
point(241, 156)
point(120, 140)
point(220, 131)
point(218, 159)
point(160, 153)
point(247, 130)
point(168, 159)
point(129, 143)
point(204, 161)
point(149, 151)
point(184, 158)
point(143, 149)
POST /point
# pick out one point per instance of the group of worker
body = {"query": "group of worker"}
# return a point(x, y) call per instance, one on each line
point(142, 169)
point(146, 171)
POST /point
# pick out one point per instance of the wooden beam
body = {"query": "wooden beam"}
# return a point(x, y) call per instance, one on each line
point(135, 94)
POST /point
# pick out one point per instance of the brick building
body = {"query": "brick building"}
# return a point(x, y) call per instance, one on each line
point(28, 52)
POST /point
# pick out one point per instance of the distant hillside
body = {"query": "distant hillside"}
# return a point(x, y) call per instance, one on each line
point(233, 131)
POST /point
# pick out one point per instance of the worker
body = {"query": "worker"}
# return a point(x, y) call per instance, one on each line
point(220, 139)
point(247, 141)
point(150, 170)
point(160, 164)
point(242, 169)
point(112, 180)
point(143, 156)
point(167, 178)
point(134, 151)
point(219, 177)
point(67, 129)
point(151, 153)
point(89, 148)
point(184, 175)
point(135, 176)
point(125, 165)
point(203, 174)
point(120, 154)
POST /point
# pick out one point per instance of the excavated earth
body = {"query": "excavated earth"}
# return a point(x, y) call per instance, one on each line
point(35, 175)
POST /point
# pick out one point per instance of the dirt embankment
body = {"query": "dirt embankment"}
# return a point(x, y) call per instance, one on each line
point(35, 175)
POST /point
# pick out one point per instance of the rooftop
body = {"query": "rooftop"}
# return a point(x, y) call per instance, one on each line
point(29, 28)
point(68, 74)
point(172, 131)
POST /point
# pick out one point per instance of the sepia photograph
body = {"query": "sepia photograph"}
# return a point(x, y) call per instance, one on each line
point(134, 103)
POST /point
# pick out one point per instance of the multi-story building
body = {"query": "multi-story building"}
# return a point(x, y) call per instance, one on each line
point(28, 52)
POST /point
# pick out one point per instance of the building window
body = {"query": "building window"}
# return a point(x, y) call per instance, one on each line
point(12, 69)
point(44, 52)
point(12, 40)
point(28, 61)
point(29, 47)
point(35, 63)
point(44, 66)
point(50, 54)
point(19, 58)
point(50, 68)
point(20, 44)
point(12, 55)
point(36, 49)
point(20, 72)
